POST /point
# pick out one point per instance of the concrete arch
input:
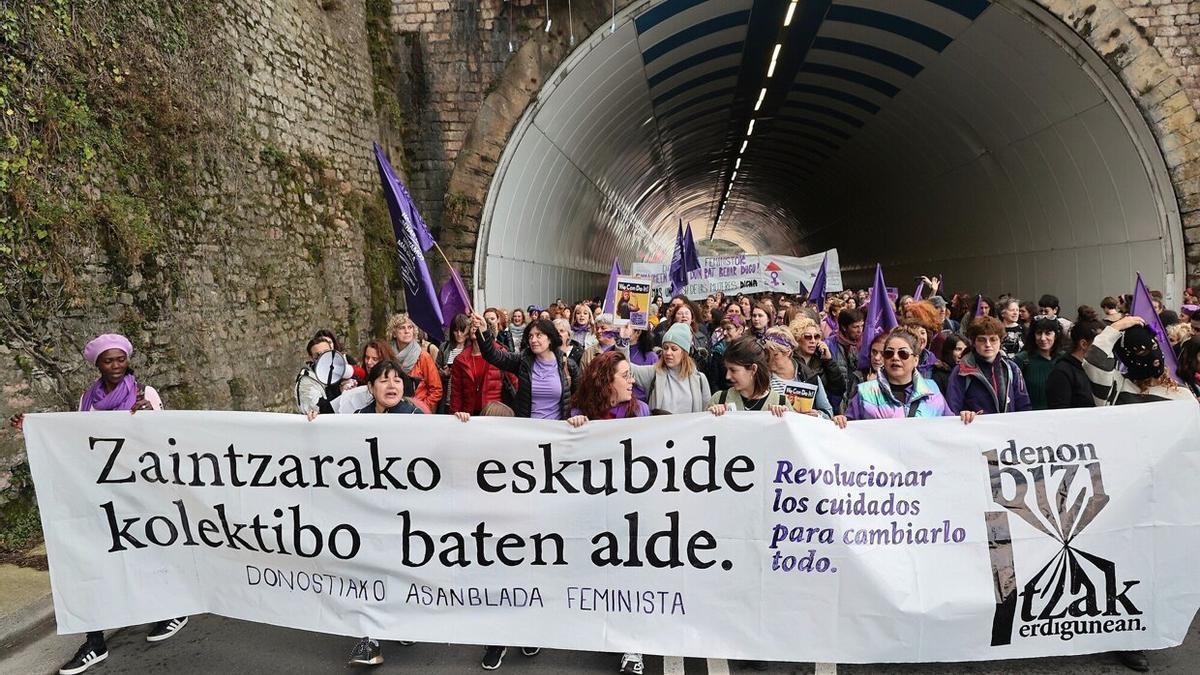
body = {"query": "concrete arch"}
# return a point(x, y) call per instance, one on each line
point(1053, 129)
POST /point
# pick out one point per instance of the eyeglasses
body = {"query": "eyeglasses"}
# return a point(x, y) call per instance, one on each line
point(903, 353)
point(810, 337)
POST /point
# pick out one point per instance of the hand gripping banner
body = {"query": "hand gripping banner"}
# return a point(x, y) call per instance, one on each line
point(745, 536)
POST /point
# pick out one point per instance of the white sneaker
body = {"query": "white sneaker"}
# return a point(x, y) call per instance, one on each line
point(631, 664)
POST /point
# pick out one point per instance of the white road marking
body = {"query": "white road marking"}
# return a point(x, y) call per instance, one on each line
point(673, 665)
point(718, 667)
point(825, 669)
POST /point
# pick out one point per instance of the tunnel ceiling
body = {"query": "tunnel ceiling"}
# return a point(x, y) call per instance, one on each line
point(934, 136)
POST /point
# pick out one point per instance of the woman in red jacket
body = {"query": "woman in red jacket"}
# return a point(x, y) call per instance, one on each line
point(474, 382)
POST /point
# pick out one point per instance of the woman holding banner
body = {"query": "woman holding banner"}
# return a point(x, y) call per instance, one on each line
point(986, 381)
point(780, 346)
point(544, 375)
point(605, 391)
point(899, 390)
point(417, 362)
point(749, 377)
point(116, 388)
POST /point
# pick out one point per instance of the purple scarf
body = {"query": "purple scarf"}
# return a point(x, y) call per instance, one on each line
point(122, 397)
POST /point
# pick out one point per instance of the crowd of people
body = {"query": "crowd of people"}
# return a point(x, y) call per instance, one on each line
point(964, 356)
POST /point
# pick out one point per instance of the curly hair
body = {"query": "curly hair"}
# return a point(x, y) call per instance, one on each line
point(592, 394)
point(502, 318)
point(984, 325)
point(924, 313)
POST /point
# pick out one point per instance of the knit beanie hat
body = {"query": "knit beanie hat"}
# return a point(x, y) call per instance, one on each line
point(680, 334)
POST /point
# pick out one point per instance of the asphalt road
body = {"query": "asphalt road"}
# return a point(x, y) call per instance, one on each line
point(211, 644)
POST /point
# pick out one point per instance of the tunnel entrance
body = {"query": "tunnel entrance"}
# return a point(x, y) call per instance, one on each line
point(983, 141)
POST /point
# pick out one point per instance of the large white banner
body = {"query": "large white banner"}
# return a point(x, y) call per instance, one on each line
point(745, 536)
point(733, 274)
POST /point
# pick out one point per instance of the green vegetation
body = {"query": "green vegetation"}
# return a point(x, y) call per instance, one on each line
point(385, 74)
point(20, 526)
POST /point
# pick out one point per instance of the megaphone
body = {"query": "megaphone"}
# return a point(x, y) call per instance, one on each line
point(332, 367)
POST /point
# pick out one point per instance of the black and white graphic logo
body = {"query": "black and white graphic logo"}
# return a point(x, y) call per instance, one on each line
point(1059, 491)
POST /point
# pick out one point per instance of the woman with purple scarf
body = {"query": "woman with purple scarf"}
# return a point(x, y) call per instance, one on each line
point(115, 389)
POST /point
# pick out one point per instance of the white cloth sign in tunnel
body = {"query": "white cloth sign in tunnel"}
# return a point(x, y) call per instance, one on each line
point(745, 536)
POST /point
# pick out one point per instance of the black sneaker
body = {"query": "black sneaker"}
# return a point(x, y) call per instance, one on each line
point(366, 653)
point(406, 643)
point(87, 656)
point(760, 666)
point(493, 657)
point(166, 629)
point(631, 664)
point(531, 651)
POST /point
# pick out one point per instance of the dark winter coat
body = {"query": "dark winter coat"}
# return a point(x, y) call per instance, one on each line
point(521, 365)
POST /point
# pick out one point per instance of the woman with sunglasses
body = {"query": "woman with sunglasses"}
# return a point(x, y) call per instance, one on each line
point(815, 357)
point(899, 390)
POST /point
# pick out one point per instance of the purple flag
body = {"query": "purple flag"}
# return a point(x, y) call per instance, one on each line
point(424, 239)
point(920, 289)
point(454, 297)
point(691, 255)
point(610, 296)
point(679, 273)
point(979, 305)
point(817, 294)
point(881, 318)
point(419, 295)
point(1143, 306)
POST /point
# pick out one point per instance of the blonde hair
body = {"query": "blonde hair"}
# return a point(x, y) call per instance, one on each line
point(798, 326)
point(686, 367)
point(786, 334)
point(1180, 332)
point(399, 319)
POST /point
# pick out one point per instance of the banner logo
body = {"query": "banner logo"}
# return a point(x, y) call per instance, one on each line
point(1059, 491)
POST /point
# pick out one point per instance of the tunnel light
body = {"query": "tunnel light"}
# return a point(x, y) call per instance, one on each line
point(750, 129)
point(774, 56)
point(744, 144)
point(787, 20)
point(738, 163)
point(761, 95)
point(733, 176)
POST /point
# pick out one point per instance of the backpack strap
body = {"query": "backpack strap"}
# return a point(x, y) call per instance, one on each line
point(912, 407)
point(724, 396)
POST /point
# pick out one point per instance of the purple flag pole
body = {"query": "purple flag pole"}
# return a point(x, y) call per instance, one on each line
point(419, 295)
point(691, 255)
point(1143, 306)
point(817, 294)
point(610, 296)
point(679, 275)
point(881, 318)
point(454, 298)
